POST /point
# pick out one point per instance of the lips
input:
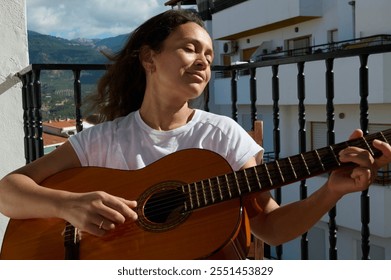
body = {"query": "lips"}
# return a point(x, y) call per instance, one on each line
point(198, 75)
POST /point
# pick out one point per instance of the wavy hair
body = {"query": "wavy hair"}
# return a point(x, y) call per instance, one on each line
point(121, 89)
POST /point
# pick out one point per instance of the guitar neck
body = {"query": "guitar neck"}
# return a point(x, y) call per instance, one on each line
point(274, 174)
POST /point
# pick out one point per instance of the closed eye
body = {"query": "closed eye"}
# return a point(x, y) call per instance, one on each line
point(209, 58)
point(190, 48)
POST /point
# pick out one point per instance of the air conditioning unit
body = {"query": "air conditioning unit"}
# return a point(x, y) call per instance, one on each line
point(230, 47)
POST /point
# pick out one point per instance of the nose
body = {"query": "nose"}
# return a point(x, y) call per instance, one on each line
point(202, 61)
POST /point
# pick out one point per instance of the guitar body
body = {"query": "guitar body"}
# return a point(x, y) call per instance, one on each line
point(219, 231)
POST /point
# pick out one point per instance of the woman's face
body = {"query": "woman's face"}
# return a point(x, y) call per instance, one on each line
point(182, 67)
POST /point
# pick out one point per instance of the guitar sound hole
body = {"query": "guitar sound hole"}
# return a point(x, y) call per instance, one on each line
point(165, 206)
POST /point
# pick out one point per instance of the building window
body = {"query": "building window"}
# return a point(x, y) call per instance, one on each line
point(226, 60)
point(332, 37)
point(299, 46)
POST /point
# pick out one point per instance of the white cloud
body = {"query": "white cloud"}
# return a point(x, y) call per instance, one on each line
point(90, 18)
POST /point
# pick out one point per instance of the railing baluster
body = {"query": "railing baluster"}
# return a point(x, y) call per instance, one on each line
point(234, 94)
point(330, 141)
point(77, 97)
point(364, 120)
point(37, 115)
point(253, 96)
point(206, 98)
point(302, 145)
point(30, 117)
point(276, 136)
point(24, 79)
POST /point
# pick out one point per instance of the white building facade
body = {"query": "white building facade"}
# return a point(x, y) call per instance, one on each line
point(254, 29)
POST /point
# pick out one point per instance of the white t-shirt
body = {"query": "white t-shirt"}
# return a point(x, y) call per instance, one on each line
point(129, 143)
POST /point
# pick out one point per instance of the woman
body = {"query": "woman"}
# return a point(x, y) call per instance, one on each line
point(144, 100)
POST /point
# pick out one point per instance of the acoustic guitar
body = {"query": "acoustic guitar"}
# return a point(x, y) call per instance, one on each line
point(189, 206)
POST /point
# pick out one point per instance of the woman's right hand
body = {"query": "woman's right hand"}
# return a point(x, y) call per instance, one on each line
point(21, 196)
point(97, 212)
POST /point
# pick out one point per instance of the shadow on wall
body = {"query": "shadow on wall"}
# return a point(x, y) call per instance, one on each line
point(9, 82)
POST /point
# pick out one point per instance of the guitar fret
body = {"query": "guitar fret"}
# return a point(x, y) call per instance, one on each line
point(312, 159)
point(263, 181)
point(228, 186)
point(268, 175)
point(196, 201)
point(274, 173)
point(305, 164)
point(280, 172)
point(219, 187)
point(257, 178)
point(184, 192)
point(191, 196)
point(384, 138)
point(329, 161)
point(287, 170)
point(211, 190)
point(320, 160)
point(225, 189)
point(335, 156)
point(292, 167)
point(204, 193)
point(369, 148)
point(237, 183)
point(197, 195)
point(247, 181)
point(296, 164)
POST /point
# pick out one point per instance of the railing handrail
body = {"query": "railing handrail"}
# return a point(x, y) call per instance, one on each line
point(60, 66)
point(305, 58)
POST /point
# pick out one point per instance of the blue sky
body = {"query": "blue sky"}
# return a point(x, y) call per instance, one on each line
point(90, 19)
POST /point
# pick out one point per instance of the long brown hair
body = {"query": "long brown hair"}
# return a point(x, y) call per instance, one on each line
point(121, 89)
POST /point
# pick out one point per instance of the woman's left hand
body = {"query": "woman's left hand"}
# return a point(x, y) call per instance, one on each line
point(358, 178)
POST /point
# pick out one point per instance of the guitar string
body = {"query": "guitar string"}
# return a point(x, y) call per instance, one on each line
point(218, 195)
point(165, 204)
point(161, 205)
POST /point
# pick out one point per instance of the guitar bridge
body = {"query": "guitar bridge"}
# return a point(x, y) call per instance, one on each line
point(72, 237)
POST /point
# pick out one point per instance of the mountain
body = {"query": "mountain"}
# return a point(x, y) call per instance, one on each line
point(57, 86)
point(112, 43)
point(51, 49)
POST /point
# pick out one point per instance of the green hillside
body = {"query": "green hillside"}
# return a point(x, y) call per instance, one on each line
point(57, 86)
point(50, 49)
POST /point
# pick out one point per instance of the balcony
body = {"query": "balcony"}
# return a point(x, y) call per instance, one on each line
point(365, 205)
point(262, 16)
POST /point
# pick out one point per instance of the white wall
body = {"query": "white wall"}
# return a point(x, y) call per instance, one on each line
point(256, 13)
point(372, 17)
point(13, 58)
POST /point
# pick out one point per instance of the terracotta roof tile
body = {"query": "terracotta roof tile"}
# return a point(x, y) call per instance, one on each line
point(50, 139)
point(60, 124)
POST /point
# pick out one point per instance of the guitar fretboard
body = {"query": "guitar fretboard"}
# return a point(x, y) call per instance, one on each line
point(274, 174)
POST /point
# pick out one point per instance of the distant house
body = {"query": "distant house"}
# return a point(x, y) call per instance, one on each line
point(56, 132)
point(51, 142)
point(63, 128)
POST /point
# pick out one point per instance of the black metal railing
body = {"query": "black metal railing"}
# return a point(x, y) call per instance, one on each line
point(32, 102)
point(362, 52)
point(31, 91)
